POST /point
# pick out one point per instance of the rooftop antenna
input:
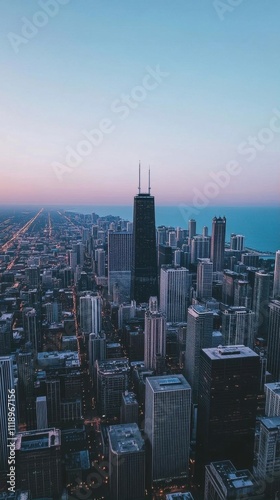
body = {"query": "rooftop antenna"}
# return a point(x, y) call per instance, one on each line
point(149, 179)
point(139, 187)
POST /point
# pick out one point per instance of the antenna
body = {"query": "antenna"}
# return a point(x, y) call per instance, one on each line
point(149, 180)
point(139, 186)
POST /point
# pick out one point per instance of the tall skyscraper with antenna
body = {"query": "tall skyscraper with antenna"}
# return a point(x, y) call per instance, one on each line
point(144, 280)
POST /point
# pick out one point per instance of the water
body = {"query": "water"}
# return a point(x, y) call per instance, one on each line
point(259, 225)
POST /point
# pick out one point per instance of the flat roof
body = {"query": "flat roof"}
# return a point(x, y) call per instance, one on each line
point(38, 440)
point(125, 438)
point(179, 496)
point(168, 383)
point(232, 478)
point(230, 352)
point(270, 422)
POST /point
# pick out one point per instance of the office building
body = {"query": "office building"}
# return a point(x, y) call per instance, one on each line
point(268, 457)
point(276, 282)
point(96, 351)
point(238, 326)
point(237, 242)
point(144, 277)
point(199, 335)
point(154, 334)
point(229, 379)
point(218, 243)
point(90, 314)
point(200, 248)
point(129, 408)
point(7, 387)
point(38, 458)
point(192, 230)
point(126, 462)
point(174, 293)
point(223, 481)
point(204, 279)
point(112, 382)
point(272, 399)
point(260, 302)
point(100, 262)
point(41, 412)
point(179, 496)
point(119, 263)
point(242, 293)
point(273, 344)
point(167, 426)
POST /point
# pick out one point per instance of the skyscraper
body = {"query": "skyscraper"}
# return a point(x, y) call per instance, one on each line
point(154, 334)
point(174, 293)
point(200, 248)
point(273, 344)
point(223, 481)
point(268, 464)
point(260, 302)
point(238, 326)
point(276, 283)
point(96, 351)
point(199, 335)
point(127, 462)
point(90, 314)
point(218, 243)
point(144, 283)
point(229, 379)
point(6, 388)
point(192, 230)
point(204, 279)
point(119, 263)
point(167, 425)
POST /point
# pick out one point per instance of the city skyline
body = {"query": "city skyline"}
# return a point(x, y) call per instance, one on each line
point(194, 102)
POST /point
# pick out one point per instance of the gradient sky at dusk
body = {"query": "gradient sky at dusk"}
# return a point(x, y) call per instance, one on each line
point(222, 87)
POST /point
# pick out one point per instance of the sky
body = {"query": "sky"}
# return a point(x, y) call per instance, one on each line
point(188, 87)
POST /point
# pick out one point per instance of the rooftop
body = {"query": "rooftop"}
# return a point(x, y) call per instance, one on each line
point(129, 398)
point(126, 438)
point(168, 383)
point(229, 352)
point(179, 496)
point(38, 440)
point(270, 422)
point(232, 479)
point(111, 366)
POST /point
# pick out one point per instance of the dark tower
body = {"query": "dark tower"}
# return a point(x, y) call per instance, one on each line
point(218, 243)
point(144, 282)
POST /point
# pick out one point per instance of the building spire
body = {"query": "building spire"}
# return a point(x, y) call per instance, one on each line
point(149, 179)
point(139, 186)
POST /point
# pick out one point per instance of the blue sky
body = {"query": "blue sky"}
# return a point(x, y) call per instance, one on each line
point(222, 87)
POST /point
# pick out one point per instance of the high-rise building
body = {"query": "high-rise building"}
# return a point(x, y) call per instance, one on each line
point(242, 293)
point(223, 481)
point(204, 279)
point(127, 462)
point(238, 326)
point(237, 242)
point(41, 412)
point(38, 458)
point(273, 345)
point(7, 388)
point(154, 334)
point(229, 379)
point(200, 248)
point(167, 426)
point(272, 399)
point(144, 280)
point(276, 282)
point(101, 262)
point(96, 351)
point(112, 382)
point(199, 335)
point(218, 243)
point(129, 408)
point(268, 456)
point(179, 496)
point(90, 314)
point(260, 302)
point(174, 293)
point(119, 263)
point(192, 230)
